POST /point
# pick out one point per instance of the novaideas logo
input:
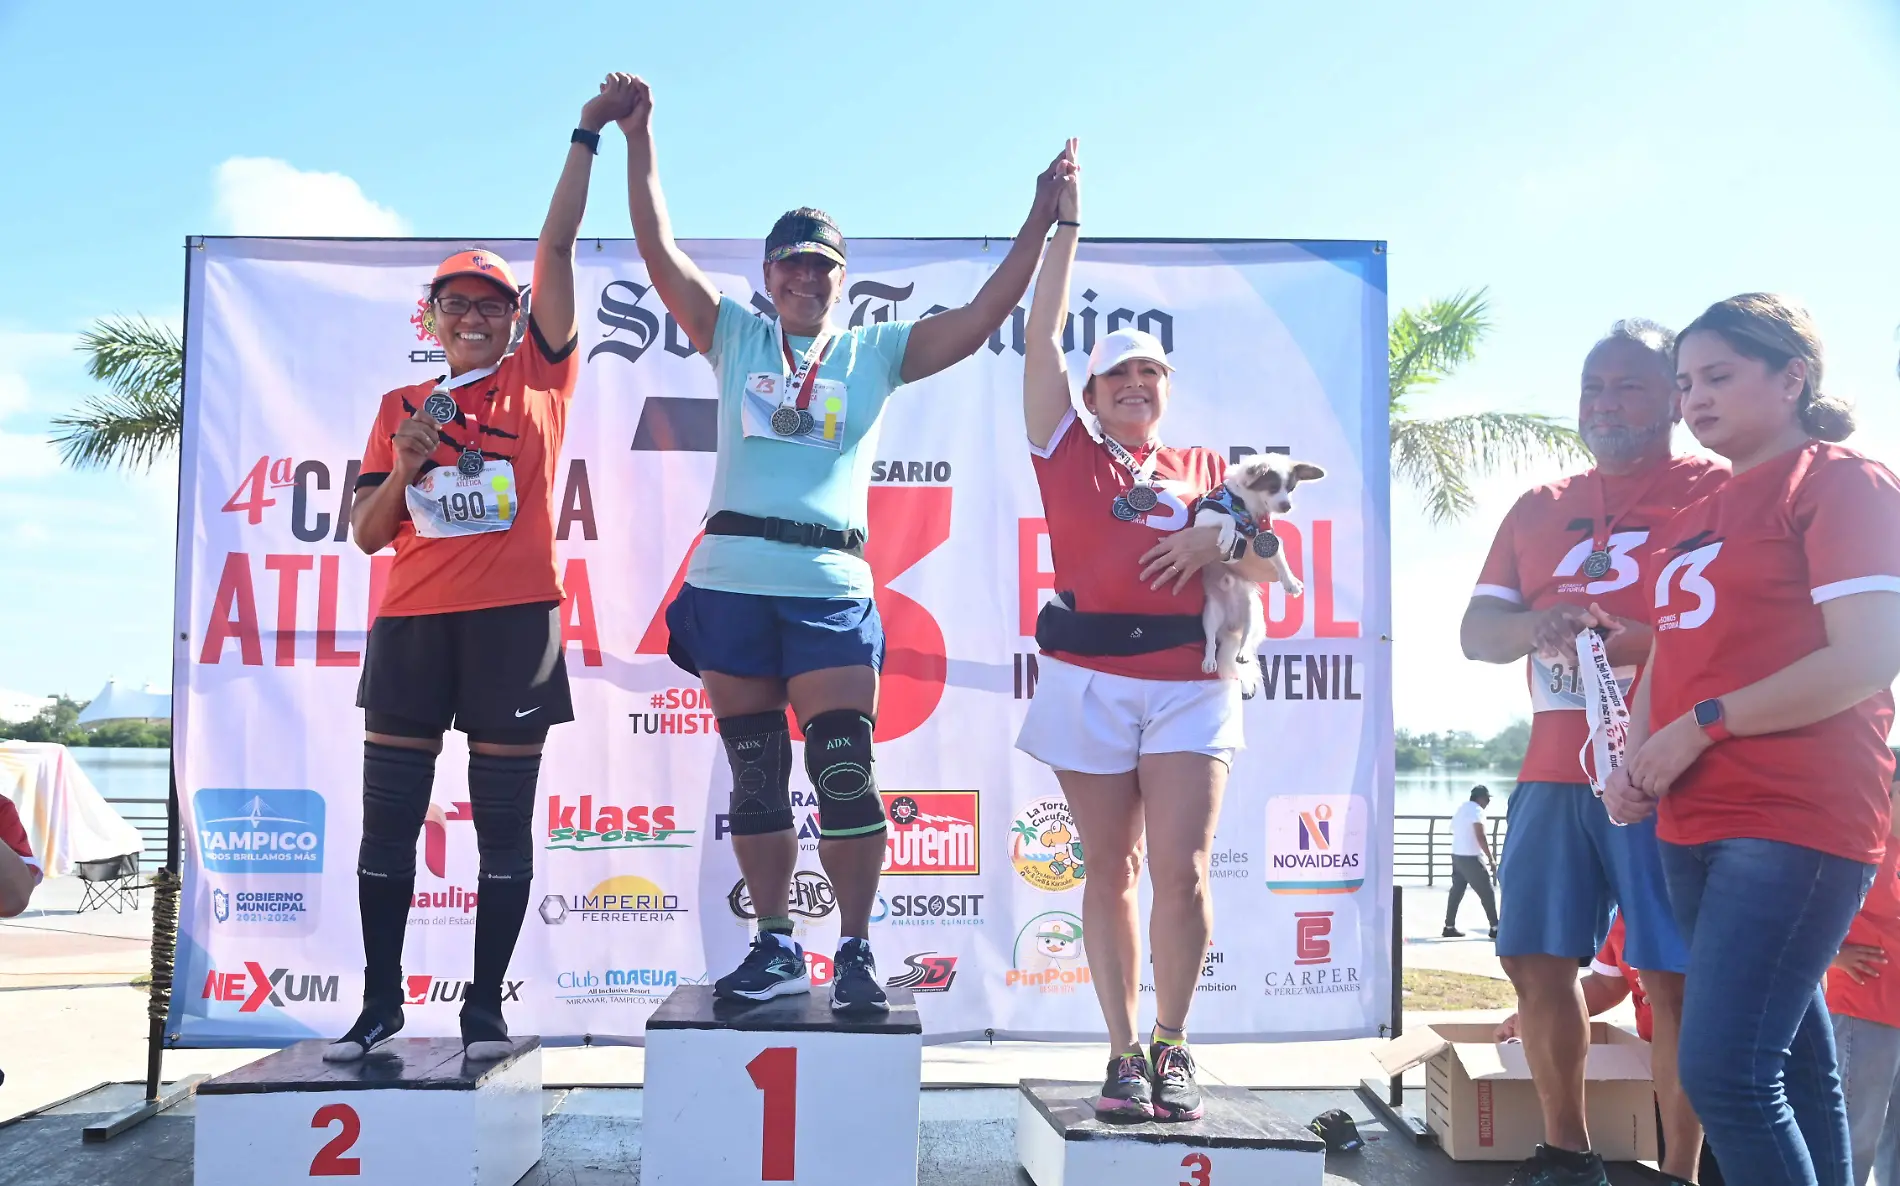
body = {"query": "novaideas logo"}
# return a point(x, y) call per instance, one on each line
point(241, 830)
point(1316, 844)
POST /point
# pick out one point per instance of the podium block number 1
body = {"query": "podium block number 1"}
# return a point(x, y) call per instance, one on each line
point(775, 1073)
point(329, 1161)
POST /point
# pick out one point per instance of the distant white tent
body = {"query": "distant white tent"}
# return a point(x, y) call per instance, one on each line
point(19, 706)
point(116, 703)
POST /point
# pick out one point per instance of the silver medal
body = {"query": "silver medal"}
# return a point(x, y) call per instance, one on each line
point(805, 423)
point(1123, 511)
point(1597, 564)
point(469, 464)
point(786, 420)
point(1266, 545)
point(1142, 498)
point(440, 406)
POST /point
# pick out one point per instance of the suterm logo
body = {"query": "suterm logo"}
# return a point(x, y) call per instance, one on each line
point(926, 971)
point(580, 826)
point(253, 988)
point(258, 831)
point(1316, 843)
point(931, 833)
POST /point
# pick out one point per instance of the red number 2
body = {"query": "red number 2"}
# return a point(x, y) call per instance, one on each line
point(329, 1162)
point(775, 1073)
point(1200, 1170)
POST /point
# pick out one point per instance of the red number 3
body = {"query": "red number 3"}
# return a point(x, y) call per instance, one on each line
point(329, 1162)
point(1200, 1170)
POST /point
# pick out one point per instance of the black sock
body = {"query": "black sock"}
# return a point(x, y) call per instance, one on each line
point(383, 903)
point(498, 915)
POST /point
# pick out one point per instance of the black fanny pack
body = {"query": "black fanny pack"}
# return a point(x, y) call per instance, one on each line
point(1060, 627)
point(786, 531)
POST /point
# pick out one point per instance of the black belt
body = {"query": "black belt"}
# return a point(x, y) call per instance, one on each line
point(1060, 627)
point(786, 531)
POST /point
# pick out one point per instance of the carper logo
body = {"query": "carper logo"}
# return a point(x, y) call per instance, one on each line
point(1312, 971)
point(254, 906)
point(253, 988)
point(1316, 843)
point(619, 986)
point(257, 831)
point(1049, 955)
point(928, 910)
point(929, 972)
point(578, 827)
point(437, 990)
point(1044, 847)
point(617, 900)
point(931, 833)
point(812, 897)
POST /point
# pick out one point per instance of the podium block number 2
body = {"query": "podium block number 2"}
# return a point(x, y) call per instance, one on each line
point(330, 1162)
point(1200, 1170)
point(775, 1073)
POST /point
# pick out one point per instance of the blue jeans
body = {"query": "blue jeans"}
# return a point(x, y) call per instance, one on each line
point(1869, 1054)
point(1763, 919)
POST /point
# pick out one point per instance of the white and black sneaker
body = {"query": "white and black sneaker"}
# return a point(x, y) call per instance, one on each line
point(377, 1023)
point(854, 986)
point(775, 967)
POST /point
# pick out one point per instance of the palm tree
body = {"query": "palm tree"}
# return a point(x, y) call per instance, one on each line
point(1439, 455)
point(138, 420)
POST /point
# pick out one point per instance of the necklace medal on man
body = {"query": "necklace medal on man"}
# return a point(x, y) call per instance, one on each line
point(792, 418)
point(1141, 497)
point(1601, 560)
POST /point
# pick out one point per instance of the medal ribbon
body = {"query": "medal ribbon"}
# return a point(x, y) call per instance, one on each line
point(1139, 471)
point(1609, 717)
point(805, 373)
point(1608, 525)
point(448, 387)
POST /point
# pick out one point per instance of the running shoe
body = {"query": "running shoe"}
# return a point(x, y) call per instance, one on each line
point(1125, 1094)
point(854, 986)
point(1176, 1095)
point(377, 1023)
point(1560, 1167)
point(771, 969)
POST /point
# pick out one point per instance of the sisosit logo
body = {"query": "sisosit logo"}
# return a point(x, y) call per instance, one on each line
point(437, 990)
point(928, 972)
point(931, 833)
point(578, 827)
point(918, 910)
point(253, 988)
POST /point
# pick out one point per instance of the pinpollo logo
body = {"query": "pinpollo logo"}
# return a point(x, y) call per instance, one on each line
point(931, 833)
point(927, 972)
point(1049, 955)
point(253, 988)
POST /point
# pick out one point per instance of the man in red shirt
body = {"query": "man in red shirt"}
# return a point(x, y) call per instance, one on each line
point(1562, 549)
point(1865, 1004)
point(19, 869)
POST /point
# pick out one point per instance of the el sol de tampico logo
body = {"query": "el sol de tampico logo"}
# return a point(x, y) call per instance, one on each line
point(1045, 847)
point(931, 832)
point(1316, 844)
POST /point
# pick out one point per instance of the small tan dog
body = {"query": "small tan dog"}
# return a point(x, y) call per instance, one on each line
point(1235, 621)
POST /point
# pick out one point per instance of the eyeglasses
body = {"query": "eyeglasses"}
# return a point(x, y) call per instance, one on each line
point(455, 306)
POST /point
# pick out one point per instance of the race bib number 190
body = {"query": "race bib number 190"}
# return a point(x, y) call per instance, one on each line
point(443, 503)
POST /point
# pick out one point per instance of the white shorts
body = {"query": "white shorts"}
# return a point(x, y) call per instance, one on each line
point(1095, 723)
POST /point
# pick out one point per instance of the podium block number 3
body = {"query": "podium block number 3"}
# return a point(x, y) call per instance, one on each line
point(1200, 1170)
point(775, 1073)
point(330, 1162)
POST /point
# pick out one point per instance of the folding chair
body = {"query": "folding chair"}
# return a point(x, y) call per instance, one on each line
point(113, 882)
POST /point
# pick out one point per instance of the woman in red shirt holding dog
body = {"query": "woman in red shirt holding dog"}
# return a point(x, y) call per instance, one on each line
point(1139, 736)
point(1759, 734)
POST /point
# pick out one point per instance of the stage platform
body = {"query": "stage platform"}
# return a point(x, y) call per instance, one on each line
point(591, 1137)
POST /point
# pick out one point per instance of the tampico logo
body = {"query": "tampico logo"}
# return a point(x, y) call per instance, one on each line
point(931, 832)
point(812, 897)
point(926, 971)
point(1045, 848)
point(253, 831)
point(1316, 843)
point(1049, 955)
point(579, 827)
point(618, 899)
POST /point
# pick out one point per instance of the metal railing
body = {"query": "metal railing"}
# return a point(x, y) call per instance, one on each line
point(148, 816)
point(1421, 847)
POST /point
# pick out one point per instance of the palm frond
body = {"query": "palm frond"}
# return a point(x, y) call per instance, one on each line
point(1428, 343)
point(139, 419)
point(1440, 455)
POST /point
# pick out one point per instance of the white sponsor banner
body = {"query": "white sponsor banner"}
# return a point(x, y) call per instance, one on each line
point(292, 343)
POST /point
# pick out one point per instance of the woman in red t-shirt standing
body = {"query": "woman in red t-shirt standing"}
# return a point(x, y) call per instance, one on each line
point(1139, 737)
point(1760, 733)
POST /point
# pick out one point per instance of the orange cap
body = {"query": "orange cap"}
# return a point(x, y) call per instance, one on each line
point(477, 262)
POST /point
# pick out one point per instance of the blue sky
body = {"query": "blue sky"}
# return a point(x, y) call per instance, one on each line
point(1585, 162)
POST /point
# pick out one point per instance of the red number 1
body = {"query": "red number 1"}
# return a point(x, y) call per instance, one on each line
point(1200, 1170)
point(329, 1162)
point(775, 1072)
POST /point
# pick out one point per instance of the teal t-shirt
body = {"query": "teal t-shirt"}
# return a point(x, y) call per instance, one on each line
point(761, 474)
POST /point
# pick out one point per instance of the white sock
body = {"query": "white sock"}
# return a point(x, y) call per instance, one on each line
point(784, 940)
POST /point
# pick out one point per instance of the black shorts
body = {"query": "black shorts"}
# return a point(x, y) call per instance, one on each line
point(500, 669)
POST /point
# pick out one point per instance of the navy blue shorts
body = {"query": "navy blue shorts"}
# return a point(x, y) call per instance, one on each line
point(751, 634)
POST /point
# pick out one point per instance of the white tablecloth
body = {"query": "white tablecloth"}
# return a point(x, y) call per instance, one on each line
point(67, 819)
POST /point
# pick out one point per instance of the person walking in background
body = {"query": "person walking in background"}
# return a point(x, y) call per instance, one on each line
point(1563, 548)
point(1472, 862)
point(1759, 734)
point(1865, 1004)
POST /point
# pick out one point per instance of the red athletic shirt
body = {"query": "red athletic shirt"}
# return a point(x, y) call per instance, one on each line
point(1610, 962)
point(1097, 557)
point(1739, 579)
point(1877, 925)
point(1537, 561)
point(521, 411)
point(13, 834)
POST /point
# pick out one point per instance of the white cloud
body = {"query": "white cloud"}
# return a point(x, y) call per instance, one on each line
point(29, 456)
point(266, 196)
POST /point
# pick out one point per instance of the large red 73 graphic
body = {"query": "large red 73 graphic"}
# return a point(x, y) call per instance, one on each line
point(907, 523)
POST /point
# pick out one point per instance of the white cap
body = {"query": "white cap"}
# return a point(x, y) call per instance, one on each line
point(1123, 345)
